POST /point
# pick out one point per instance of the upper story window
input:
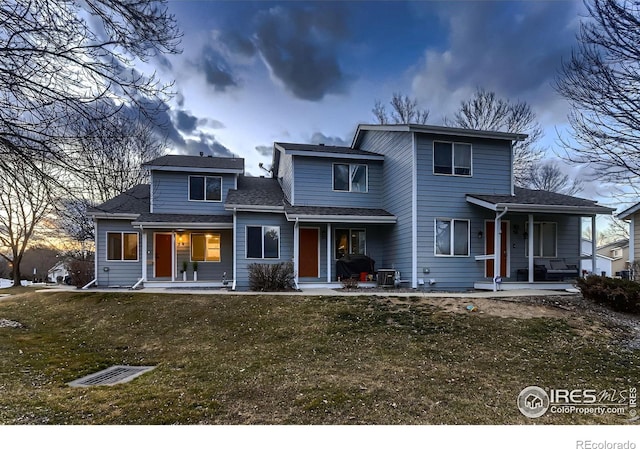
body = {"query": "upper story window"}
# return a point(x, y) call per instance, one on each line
point(350, 177)
point(205, 188)
point(451, 158)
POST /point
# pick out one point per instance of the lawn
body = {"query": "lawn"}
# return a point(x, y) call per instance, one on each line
point(293, 360)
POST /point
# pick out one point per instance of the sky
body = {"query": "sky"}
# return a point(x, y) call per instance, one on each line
point(252, 73)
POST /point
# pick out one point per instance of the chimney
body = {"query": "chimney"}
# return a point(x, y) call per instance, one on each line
point(201, 154)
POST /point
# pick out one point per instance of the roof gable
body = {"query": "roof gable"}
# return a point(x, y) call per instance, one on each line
point(331, 151)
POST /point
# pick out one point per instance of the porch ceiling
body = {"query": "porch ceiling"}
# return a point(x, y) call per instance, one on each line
point(538, 201)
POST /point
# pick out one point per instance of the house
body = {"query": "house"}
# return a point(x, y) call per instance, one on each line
point(604, 263)
point(431, 203)
point(618, 252)
point(58, 271)
point(632, 215)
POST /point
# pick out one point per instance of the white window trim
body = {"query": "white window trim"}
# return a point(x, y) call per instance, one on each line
point(555, 243)
point(246, 242)
point(451, 237)
point(453, 166)
point(205, 244)
point(205, 200)
point(106, 242)
point(349, 231)
point(351, 165)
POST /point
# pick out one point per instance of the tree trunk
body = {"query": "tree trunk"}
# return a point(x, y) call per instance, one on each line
point(15, 274)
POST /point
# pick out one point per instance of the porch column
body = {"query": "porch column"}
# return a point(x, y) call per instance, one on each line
point(632, 243)
point(144, 254)
point(594, 244)
point(329, 252)
point(497, 247)
point(173, 256)
point(296, 249)
point(530, 245)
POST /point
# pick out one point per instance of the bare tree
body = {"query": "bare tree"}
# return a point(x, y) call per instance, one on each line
point(485, 111)
point(550, 178)
point(25, 201)
point(59, 59)
point(601, 81)
point(404, 110)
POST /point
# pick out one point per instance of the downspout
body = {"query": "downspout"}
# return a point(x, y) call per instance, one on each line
point(95, 251)
point(235, 248)
point(296, 244)
point(497, 249)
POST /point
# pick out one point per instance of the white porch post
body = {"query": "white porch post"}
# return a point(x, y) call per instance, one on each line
point(632, 243)
point(296, 249)
point(594, 245)
point(530, 245)
point(144, 254)
point(496, 251)
point(329, 252)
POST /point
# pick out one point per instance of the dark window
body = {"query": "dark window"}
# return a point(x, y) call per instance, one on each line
point(263, 242)
point(341, 177)
point(205, 188)
point(350, 177)
point(350, 241)
point(452, 158)
point(122, 246)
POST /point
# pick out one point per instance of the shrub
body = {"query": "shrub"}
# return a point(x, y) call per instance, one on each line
point(273, 277)
point(618, 294)
point(349, 283)
point(80, 272)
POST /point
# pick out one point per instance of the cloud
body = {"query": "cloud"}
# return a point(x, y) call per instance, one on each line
point(186, 122)
point(318, 138)
point(300, 46)
point(237, 43)
point(491, 45)
point(264, 150)
point(216, 69)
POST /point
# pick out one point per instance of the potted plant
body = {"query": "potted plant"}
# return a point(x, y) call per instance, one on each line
point(185, 265)
point(195, 270)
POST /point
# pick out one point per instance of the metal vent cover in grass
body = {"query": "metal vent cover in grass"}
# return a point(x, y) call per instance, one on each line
point(113, 375)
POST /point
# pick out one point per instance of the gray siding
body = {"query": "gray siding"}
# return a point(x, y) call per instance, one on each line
point(397, 149)
point(170, 191)
point(120, 273)
point(314, 183)
point(285, 175)
point(244, 219)
point(442, 196)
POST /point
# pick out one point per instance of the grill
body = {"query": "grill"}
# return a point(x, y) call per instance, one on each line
point(117, 374)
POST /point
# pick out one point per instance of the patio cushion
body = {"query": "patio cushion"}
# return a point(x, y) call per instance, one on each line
point(558, 265)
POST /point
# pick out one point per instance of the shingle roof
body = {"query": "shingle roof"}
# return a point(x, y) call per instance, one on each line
point(528, 197)
point(346, 214)
point(174, 160)
point(254, 191)
point(311, 148)
point(133, 201)
point(183, 218)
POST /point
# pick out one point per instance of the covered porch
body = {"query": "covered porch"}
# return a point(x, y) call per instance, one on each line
point(185, 251)
point(322, 236)
point(538, 237)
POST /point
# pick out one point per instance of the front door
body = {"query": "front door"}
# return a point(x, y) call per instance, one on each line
point(163, 245)
point(308, 253)
point(504, 248)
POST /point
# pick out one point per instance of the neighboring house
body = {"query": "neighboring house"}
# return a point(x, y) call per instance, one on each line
point(603, 262)
point(632, 215)
point(433, 203)
point(618, 252)
point(58, 271)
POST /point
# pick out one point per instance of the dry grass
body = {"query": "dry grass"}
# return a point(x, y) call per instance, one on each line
point(291, 360)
